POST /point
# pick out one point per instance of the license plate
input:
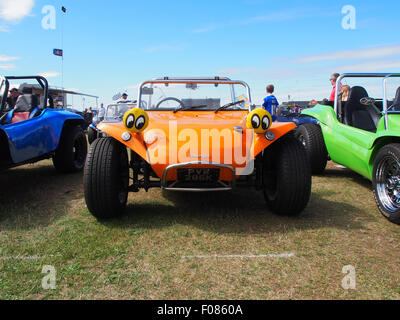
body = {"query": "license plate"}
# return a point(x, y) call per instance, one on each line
point(201, 175)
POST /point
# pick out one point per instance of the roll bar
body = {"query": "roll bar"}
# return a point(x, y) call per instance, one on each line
point(385, 77)
point(41, 80)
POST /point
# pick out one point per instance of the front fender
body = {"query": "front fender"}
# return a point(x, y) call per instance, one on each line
point(279, 129)
point(324, 114)
point(136, 143)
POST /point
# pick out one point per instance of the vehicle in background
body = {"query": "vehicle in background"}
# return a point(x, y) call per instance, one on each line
point(113, 112)
point(34, 129)
point(362, 134)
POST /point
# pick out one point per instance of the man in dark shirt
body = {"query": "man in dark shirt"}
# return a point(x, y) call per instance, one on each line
point(12, 99)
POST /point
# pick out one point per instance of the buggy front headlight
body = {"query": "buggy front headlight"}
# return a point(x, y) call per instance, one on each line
point(259, 120)
point(136, 120)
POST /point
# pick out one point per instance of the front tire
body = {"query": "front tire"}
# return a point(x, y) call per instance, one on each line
point(71, 153)
point(311, 136)
point(106, 178)
point(286, 176)
point(386, 182)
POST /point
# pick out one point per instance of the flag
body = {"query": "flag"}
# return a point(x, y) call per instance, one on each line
point(64, 9)
point(117, 96)
point(58, 52)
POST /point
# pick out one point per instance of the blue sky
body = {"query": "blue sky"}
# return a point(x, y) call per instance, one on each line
point(111, 46)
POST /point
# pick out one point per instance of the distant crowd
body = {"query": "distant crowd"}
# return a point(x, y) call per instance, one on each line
point(271, 103)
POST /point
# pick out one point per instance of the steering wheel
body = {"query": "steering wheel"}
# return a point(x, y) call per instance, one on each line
point(367, 101)
point(167, 99)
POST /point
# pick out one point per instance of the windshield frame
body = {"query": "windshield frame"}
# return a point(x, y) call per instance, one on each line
point(3, 90)
point(215, 81)
point(131, 106)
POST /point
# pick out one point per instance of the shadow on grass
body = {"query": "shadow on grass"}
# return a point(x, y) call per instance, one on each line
point(35, 195)
point(346, 174)
point(240, 211)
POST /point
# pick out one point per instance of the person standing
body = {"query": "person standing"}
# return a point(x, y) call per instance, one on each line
point(102, 112)
point(333, 80)
point(271, 103)
point(345, 92)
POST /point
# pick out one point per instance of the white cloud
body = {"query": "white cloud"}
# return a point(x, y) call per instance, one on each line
point(133, 86)
point(368, 53)
point(205, 29)
point(4, 58)
point(4, 29)
point(236, 70)
point(7, 66)
point(266, 72)
point(370, 66)
point(277, 16)
point(50, 74)
point(15, 10)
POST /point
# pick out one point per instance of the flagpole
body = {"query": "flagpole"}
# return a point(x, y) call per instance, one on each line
point(62, 48)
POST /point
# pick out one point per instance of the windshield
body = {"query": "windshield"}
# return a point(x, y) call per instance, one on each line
point(118, 110)
point(199, 96)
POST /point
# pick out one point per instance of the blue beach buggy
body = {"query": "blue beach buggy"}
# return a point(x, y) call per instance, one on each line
point(32, 129)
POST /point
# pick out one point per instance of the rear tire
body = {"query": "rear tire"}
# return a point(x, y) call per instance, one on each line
point(106, 178)
point(386, 182)
point(286, 176)
point(71, 153)
point(311, 136)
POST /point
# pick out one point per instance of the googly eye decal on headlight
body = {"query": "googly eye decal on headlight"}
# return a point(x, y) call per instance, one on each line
point(259, 120)
point(130, 121)
point(140, 122)
point(265, 123)
point(255, 121)
point(136, 120)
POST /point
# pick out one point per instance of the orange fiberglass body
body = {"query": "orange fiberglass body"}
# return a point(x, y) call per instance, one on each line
point(197, 136)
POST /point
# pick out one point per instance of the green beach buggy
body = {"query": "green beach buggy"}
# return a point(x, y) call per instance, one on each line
point(362, 134)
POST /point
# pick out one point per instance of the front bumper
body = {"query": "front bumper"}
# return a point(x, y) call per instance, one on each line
point(218, 185)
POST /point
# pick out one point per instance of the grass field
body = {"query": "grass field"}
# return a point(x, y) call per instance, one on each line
point(44, 221)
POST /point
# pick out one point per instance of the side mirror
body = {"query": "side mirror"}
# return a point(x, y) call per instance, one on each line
point(367, 101)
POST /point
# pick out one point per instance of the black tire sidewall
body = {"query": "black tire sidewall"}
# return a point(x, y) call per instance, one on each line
point(102, 178)
point(92, 135)
point(64, 157)
point(315, 146)
point(293, 176)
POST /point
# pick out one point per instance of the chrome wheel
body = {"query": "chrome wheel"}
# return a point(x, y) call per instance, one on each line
point(388, 183)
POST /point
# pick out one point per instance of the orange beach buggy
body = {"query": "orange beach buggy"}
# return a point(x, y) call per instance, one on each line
point(196, 135)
